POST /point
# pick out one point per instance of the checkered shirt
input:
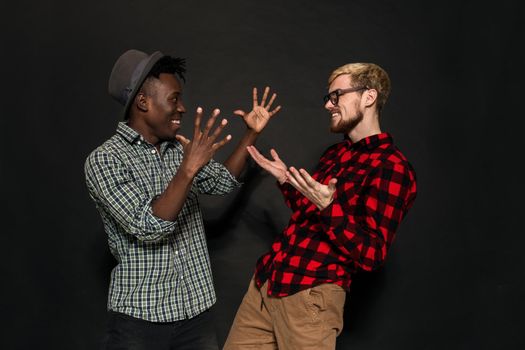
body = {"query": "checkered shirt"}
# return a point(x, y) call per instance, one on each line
point(163, 272)
point(376, 187)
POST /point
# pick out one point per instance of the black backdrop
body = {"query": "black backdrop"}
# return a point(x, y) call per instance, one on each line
point(454, 278)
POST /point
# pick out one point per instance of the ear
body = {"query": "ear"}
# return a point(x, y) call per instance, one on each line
point(370, 97)
point(141, 101)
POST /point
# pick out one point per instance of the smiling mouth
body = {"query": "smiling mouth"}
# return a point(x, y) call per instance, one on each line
point(175, 121)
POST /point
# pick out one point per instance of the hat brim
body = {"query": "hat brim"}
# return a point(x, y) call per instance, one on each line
point(152, 59)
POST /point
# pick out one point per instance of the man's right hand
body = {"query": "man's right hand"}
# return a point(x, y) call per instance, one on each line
point(276, 167)
point(199, 151)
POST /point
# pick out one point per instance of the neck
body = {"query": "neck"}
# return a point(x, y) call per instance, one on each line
point(139, 126)
point(367, 127)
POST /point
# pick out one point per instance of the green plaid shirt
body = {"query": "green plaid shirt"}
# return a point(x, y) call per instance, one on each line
point(163, 272)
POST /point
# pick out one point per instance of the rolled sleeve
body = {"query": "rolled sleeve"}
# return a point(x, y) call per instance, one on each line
point(112, 187)
point(292, 197)
point(214, 178)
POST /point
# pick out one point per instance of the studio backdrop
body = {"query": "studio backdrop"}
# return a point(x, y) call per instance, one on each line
point(454, 277)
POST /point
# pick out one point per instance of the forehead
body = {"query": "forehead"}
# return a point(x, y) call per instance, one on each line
point(343, 81)
point(168, 83)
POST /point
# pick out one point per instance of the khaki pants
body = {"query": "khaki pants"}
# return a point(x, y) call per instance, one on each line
point(310, 319)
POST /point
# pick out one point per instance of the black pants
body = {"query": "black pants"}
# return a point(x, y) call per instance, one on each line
point(130, 333)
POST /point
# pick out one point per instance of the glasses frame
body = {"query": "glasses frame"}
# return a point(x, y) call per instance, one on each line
point(333, 96)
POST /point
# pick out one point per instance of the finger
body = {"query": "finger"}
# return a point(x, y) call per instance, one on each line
point(277, 109)
point(274, 155)
point(276, 158)
point(253, 153)
point(265, 95)
point(218, 130)
point(271, 102)
point(254, 93)
point(298, 177)
point(197, 123)
point(307, 178)
point(210, 122)
point(291, 179)
point(224, 141)
point(183, 140)
point(263, 162)
point(258, 157)
point(239, 112)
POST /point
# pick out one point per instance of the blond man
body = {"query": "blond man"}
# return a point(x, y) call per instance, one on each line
point(344, 218)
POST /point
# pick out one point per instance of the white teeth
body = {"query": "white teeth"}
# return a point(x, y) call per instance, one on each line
point(176, 121)
point(335, 114)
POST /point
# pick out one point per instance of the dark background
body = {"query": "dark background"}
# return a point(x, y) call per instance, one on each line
point(455, 276)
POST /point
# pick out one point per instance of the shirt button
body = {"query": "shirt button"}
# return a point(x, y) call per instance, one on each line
point(176, 252)
point(138, 142)
point(153, 151)
point(181, 277)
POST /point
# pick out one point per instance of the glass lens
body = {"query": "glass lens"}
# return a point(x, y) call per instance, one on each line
point(334, 97)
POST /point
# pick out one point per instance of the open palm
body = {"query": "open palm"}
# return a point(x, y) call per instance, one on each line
point(260, 114)
point(275, 167)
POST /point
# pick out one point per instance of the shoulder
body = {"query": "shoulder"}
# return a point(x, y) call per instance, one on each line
point(334, 149)
point(388, 157)
point(110, 151)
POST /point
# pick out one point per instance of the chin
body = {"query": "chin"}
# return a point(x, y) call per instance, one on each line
point(337, 129)
point(169, 137)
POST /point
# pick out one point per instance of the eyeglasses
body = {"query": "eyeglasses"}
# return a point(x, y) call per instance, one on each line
point(334, 95)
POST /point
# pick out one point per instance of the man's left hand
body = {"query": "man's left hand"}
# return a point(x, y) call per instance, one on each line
point(319, 194)
point(260, 114)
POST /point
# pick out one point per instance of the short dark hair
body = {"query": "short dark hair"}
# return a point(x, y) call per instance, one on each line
point(170, 65)
point(167, 64)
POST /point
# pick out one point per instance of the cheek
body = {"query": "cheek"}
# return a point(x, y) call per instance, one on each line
point(172, 108)
point(358, 106)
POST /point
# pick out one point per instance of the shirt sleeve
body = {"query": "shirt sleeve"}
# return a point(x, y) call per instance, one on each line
point(363, 225)
point(292, 197)
point(115, 191)
point(214, 178)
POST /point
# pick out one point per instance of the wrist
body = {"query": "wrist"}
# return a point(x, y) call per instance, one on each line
point(186, 172)
point(281, 179)
point(252, 133)
point(324, 204)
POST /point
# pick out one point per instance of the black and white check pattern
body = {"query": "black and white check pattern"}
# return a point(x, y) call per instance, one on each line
point(163, 272)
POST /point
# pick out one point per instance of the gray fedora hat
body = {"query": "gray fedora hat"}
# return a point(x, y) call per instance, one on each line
point(128, 74)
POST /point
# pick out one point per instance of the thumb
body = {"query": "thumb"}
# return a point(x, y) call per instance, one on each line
point(184, 141)
point(331, 184)
point(274, 154)
point(239, 112)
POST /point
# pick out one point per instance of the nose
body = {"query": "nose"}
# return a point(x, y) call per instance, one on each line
point(328, 105)
point(180, 106)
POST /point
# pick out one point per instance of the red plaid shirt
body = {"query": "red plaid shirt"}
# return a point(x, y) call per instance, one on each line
point(376, 186)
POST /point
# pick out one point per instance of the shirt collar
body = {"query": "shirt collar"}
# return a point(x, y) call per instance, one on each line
point(132, 136)
point(370, 142)
point(128, 133)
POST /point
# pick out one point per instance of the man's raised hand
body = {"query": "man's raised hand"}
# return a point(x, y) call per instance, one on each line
point(260, 114)
point(199, 151)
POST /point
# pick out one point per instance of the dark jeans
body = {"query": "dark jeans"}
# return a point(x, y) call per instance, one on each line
point(130, 333)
